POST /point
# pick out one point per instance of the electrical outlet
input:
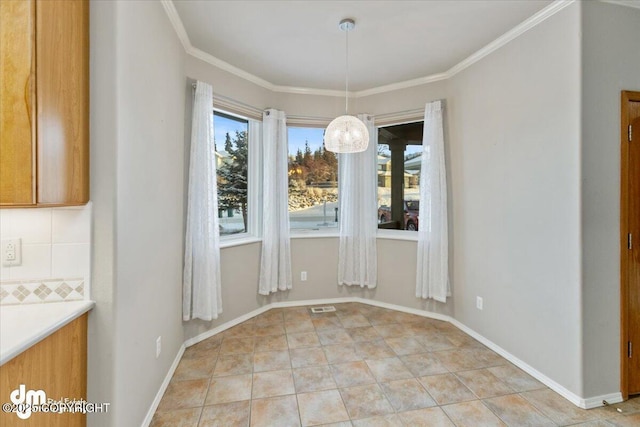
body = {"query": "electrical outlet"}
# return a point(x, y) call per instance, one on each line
point(158, 346)
point(479, 303)
point(11, 252)
point(303, 276)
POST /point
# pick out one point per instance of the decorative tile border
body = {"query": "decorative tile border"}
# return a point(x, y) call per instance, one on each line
point(39, 291)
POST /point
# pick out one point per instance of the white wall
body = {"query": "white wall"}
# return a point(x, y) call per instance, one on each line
point(320, 106)
point(319, 258)
point(515, 166)
point(515, 185)
point(611, 63)
point(137, 123)
point(101, 331)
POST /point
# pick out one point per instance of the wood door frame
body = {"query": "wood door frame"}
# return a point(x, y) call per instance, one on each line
point(625, 98)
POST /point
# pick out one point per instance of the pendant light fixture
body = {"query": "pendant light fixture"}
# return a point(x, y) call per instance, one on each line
point(346, 134)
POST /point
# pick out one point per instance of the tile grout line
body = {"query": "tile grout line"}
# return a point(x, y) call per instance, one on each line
point(540, 410)
point(379, 383)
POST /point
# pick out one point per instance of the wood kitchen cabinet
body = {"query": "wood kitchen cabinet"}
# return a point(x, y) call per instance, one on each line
point(58, 366)
point(44, 102)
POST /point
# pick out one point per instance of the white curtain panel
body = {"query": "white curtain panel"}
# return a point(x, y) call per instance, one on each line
point(201, 293)
point(275, 263)
point(357, 259)
point(432, 278)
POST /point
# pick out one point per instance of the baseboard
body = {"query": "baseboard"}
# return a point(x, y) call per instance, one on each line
point(279, 304)
point(226, 325)
point(283, 304)
point(594, 402)
point(561, 390)
point(417, 312)
point(588, 403)
point(163, 387)
point(580, 402)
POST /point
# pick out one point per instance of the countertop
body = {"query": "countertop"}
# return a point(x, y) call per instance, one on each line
point(23, 325)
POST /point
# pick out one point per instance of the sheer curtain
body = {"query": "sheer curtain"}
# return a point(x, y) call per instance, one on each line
point(357, 263)
point(275, 263)
point(432, 278)
point(201, 294)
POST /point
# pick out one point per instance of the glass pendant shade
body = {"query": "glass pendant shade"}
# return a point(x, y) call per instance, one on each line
point(346, 134)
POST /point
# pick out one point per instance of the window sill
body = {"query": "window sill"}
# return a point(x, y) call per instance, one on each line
point(246, 240)
point(381, 234)
point(314, 234)
point(409, 236)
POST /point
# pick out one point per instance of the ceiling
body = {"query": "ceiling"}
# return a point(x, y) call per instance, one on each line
point(298, 44)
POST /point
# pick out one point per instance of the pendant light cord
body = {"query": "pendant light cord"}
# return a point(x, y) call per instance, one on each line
point(346, 91)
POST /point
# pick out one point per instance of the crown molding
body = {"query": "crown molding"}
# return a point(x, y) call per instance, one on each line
point(510, 35)
point(402, 85)
point(210, 59)
point(628, 3)
point(178, 26)
point(312, 91)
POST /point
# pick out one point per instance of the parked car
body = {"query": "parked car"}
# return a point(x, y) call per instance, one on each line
point(411, 209)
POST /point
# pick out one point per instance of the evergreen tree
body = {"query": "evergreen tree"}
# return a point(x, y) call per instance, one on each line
point(308, 165)
point(232, 174)
point(228, 145)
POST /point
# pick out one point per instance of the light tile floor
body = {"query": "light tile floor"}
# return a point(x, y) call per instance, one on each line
point(361, 366)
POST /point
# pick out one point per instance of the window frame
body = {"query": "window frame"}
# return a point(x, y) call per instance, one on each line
point(253, 233)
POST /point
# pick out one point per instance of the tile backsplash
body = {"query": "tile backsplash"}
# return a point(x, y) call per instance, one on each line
point(39, 291)
point(56, 245)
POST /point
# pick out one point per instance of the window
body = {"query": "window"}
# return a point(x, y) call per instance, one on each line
point(399, 164)
point(231, 137)
point(313, 181)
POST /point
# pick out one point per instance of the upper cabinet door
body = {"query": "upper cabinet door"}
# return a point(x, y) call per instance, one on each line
point(62, 40)
point(17, 102)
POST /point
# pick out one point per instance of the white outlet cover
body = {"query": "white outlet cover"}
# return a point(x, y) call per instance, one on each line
point(11, 252)
point(479, 303)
